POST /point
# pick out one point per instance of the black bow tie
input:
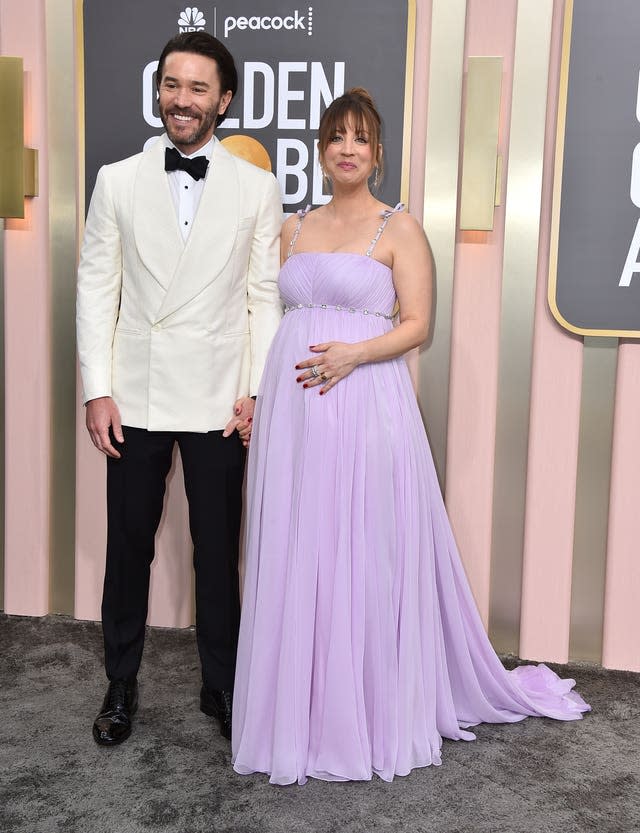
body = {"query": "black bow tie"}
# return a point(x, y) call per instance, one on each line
point(196, 167)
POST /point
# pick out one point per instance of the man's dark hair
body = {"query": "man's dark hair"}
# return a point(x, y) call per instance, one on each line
point(202, 43)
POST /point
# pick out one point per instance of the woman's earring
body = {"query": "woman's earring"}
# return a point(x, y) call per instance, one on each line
point(376, 178)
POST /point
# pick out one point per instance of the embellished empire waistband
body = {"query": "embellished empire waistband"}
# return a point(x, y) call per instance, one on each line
point(339, 308)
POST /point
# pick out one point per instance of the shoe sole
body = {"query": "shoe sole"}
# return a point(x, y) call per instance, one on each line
point(113, 741)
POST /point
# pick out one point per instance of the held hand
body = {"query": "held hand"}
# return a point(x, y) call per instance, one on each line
point(242, 419)
point(102, 414)
point(244, 431)
point(336, 360)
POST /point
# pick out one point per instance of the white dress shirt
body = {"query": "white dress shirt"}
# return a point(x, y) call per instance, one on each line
point(185, 190)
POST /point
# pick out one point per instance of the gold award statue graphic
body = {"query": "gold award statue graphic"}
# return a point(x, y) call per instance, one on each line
point(248, 148)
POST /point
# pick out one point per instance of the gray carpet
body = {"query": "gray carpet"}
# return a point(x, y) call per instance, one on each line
point(173, 775)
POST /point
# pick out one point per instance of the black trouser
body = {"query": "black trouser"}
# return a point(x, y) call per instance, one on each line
point(213, 472)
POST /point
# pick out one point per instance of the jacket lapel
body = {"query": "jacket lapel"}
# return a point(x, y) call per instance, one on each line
point(211, 241)
point(155, 225)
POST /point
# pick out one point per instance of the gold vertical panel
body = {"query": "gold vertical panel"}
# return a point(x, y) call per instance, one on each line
point(592, 498)
point(80, 145)
point(480, 146)
point(61, 73)
point(440, 203)
point(31, 178)
point(408, 101)
point(522, 227)
point(11, 138)
point(498, 195)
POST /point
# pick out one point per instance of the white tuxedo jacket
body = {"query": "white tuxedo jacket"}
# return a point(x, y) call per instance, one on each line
point(176, 331)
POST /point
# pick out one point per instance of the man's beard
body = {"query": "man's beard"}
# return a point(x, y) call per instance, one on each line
point(204, 121)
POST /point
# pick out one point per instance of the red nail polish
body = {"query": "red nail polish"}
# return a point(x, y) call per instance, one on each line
point(305, 385)
point(311, 346)
point(297, 367)
point(299, 379)
point(321, 392)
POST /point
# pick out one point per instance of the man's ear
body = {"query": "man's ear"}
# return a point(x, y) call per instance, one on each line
point(224, 102)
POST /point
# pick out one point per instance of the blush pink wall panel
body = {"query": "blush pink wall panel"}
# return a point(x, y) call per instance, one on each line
point(476, 332)
point(553, 437)
point(91, 523)
point(419, 109)
point(27, 339)
point(170, 601)
point(621, 646)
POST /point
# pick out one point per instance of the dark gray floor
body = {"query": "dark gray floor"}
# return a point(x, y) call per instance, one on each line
point(174, 775)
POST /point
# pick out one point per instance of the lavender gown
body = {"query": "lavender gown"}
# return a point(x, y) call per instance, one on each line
point(360, 643)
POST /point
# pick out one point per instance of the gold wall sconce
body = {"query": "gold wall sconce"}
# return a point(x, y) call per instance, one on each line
point(18, 165)
point(481, 169)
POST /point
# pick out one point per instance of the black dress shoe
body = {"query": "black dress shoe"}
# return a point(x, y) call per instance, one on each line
point(217, 703)
point(113, 724)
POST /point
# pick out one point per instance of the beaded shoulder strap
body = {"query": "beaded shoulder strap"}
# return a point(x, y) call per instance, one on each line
point(386, 215)
point(302, 213)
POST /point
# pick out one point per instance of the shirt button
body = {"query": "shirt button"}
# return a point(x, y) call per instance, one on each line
point(156, 327)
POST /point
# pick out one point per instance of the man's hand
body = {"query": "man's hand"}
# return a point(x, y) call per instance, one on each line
point(102, 414)
point(242, 420)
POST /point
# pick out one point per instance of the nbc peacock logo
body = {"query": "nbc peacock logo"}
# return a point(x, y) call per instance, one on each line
point(191, 20)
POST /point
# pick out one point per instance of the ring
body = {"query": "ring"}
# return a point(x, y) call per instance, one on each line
point(314, 371)
point(324, 377)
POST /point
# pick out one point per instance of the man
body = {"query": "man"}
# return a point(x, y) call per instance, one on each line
point(177, 305)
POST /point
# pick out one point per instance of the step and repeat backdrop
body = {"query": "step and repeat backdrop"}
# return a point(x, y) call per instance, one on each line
point(292, 61)
point(534, 430)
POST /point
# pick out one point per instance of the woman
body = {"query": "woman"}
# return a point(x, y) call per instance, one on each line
point(360, 644)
